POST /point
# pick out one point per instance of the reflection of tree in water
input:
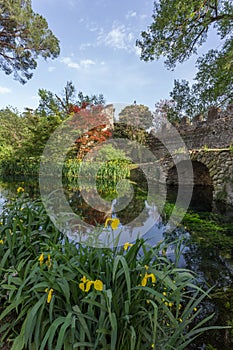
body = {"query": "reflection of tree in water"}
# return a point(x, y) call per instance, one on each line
point(213, 270)
point(93, 216)
point(206, 260)
point(199, 257)
point(134, 208)
point(88, 214)
point(130, 210)
point(137, 204)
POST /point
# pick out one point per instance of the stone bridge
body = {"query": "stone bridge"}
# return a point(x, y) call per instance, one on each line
point(207, 144)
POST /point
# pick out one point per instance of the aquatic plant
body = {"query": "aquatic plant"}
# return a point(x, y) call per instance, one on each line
point(57, 294)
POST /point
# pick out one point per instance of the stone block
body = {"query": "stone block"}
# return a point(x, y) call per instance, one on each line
point(198, 119)
point(213, 114)
point(184, 121)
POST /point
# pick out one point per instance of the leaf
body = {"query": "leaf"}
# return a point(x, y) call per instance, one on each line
point(82, 321)
point(67, 323)
point(125, 270)
point(31, 321)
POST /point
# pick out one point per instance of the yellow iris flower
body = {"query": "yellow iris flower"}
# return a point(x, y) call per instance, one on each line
point(20, 189)
point(127, 245)
point(98, 285)
point(50, 293)
point(85, 284)
point(146, 277)
point(114, 223)
point(41, 259)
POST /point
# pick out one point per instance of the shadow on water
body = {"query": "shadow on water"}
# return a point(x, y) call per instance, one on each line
point(202, 197)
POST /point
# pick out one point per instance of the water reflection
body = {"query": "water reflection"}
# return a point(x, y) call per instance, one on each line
point(202, 197)
point(136, 216)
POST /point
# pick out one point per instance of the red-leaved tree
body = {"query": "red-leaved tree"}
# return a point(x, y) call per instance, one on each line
point(84, 118)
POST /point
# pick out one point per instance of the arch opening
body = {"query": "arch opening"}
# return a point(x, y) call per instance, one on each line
point(202, 196)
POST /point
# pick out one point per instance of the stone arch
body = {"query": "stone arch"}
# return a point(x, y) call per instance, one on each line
point(201, 174)
point(203, 189)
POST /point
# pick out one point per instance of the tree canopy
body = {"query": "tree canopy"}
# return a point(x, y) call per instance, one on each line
point(51, 104)
point(179, 27)
point(24, 36)
point(137, 116)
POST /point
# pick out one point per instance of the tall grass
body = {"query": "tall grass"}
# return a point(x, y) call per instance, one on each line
point(106, 174)
point(57, 294)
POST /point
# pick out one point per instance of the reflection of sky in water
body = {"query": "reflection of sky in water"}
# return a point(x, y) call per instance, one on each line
point(147, 225)
point(2, 200)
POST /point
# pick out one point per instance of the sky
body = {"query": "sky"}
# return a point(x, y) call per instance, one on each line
point(98, 54)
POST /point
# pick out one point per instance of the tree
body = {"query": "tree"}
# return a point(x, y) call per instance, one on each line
point(24, 36)
point(12, 131)
point(85, 117)
point(51, 104)
point(179, 27)
point(165, 110)
point(137, 116)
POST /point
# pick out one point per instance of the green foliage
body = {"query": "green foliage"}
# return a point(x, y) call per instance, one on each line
point(24, 37)
point(178, 29)
point(22, 141)
point(12, 131)
point(108, 152)
point(51, 104)
point(141, 299)
point(166, 110)
point(185, 102)
point(106, 174)
point(122, 130)
point(23, 137)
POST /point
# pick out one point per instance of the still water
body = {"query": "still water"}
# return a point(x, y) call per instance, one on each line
point(207, 233)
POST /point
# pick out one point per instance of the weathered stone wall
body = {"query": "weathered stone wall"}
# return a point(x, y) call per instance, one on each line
point(212, 134)
point(208, 143)
point(213, 168)
point(220, 166)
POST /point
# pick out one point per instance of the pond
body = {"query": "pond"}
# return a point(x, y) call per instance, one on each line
point(206, 232)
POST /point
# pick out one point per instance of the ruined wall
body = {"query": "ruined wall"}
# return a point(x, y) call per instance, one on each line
point(208, 143)
point(211, 134)
point(219, 172)
point(220, 166)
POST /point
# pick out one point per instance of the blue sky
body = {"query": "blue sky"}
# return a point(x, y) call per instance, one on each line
point(98, 54)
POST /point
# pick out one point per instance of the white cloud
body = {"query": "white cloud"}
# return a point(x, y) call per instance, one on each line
point(77, 65)
point(131, 14)
point(69, 63)
point(4, 90)
point(51, 69)
point(86, 63)
point(117, 37)
point(83, 47)
point(138, 51)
